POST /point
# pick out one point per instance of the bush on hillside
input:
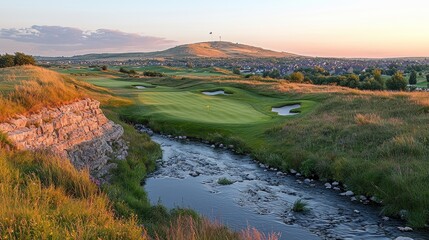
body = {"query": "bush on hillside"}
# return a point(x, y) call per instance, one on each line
point(153, 74)
point(397, 82)
point(18, 59)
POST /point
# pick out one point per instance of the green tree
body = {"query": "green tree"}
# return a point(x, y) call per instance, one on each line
point(397, 82)
point(236, 71)
point(23, 59)
point(297, 77)
point(353, 81)
point(274, 74)
point(6, 60)
point(413, 78)
point(104, 68)
point(427, 77)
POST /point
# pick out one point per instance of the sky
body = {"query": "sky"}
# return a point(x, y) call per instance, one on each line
point(323, 28)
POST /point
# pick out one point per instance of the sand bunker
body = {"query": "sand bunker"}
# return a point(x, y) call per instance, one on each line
point(220, 92)
point(285, 110)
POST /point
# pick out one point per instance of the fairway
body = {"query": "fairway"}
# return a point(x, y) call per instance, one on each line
point(197, 107)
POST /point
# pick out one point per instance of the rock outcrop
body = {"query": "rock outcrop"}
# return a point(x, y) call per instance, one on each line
point(79, 131)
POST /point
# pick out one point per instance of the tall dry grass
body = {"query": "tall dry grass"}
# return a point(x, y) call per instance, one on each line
point(44, 197)
point(189, 228)
point(27, 89)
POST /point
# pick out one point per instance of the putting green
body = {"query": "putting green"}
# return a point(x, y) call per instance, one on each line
point(196, 107)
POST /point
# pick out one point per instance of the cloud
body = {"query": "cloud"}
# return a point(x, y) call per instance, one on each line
point(50, 39)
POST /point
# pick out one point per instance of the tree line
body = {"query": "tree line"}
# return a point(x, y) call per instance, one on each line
point(369, 80)
point(18, 59)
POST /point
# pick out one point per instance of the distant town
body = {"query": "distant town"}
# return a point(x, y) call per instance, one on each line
point(335, 66)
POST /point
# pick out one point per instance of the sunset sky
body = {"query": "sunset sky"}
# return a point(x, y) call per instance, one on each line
point(338, 28)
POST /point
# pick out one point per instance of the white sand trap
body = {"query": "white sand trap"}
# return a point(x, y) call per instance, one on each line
point(285, 110)
point(140, 87)
point(221, 92)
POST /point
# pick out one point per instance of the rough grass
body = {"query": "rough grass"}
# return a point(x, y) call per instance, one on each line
point(27, 89)
point(44, 197)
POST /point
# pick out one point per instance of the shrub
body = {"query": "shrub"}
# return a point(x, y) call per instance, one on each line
point(396, 82)
point(413, 78)
point(224, 181)
point(153, 74)
point(297, 77)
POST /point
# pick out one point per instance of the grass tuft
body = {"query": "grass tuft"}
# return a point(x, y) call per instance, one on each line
point(224, 181)
point(300, 206)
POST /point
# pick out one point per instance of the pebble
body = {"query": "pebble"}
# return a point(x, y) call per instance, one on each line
point(363, 198)
point(403, 238)
point(212, 146)
point(336, 188)
point(348, 194)
point(335, 184)
point(307, 180)
point(293, 171)
point(405, 229)
point(385, 218)
point(356, 211)
point(328, 185)
point(221, 145)
point(353, 199)
point(298, 174)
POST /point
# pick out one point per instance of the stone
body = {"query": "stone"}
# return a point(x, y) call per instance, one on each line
point(78, 131)
point(335, 183)
point(336, 188)
point(307, 180)
point(292, 171)
point(356, 211)
point(328, 185)
point(403, 238)
point(348, 194)
point(405, 229)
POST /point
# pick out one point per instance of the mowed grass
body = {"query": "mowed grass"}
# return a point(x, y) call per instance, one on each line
point(196, 107)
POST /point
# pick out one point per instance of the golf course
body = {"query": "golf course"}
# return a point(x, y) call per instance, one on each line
point(369, 141)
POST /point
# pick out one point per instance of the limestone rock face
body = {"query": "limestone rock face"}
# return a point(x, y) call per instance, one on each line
point(79, 131)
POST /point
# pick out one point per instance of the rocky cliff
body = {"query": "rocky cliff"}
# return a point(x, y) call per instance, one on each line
point(79, 131)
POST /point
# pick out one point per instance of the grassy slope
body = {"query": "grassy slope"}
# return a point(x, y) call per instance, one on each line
point(42, 196)
point(376, 143)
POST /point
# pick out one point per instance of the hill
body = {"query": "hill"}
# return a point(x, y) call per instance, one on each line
point(195, 50)
point(220, 50)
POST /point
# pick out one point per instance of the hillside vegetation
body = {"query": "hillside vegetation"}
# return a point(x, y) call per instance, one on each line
point(29, 88)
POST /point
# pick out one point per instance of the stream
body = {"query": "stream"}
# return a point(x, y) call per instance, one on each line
point(188, 174)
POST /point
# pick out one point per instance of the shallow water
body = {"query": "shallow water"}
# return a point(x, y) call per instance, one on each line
point(259, 197)
point(285, 110)
point(221, 92)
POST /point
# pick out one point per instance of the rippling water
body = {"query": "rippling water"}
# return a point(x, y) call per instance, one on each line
point(187, 177)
